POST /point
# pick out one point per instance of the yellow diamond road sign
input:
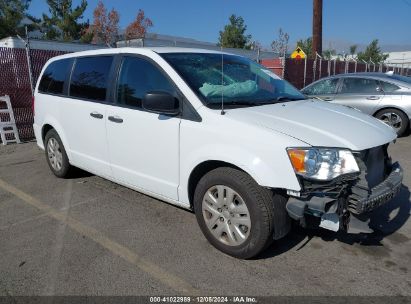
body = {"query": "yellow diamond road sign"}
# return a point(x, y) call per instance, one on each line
point(298, 54)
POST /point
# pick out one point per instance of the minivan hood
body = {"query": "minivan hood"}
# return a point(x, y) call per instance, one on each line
point(319, 123)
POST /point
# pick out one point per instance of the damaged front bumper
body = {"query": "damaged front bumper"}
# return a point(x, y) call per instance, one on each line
point(329, 205)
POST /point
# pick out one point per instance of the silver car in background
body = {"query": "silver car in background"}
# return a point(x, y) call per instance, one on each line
point(384, 96)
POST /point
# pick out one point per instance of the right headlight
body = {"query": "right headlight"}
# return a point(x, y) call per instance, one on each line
point(322, 163)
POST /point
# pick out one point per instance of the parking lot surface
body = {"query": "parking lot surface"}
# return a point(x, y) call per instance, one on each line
point(89, 236)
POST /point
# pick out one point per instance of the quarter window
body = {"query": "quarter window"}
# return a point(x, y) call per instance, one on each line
point(90, 77)
point(359, 86)
point(53, 77)
point(137, 78)
point(322, 87)
point(389, 87)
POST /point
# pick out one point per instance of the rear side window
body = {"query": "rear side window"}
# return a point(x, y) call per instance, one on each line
point(90, 77)
point(53, 77)
point(389, 87)
point(359, 86)
point(322, 87)
point(137, 78)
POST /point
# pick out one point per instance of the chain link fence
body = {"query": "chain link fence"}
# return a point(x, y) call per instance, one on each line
point(15, 82)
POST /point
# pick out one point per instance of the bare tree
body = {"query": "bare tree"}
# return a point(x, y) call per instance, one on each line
point(281, 44)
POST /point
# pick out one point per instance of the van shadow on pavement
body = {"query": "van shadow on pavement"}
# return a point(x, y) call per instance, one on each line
point(384, 221)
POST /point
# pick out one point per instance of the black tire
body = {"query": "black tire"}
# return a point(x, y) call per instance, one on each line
point(266, 209)
point(66, 168)
point(404, 119)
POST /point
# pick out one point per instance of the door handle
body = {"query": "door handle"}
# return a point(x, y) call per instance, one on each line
point(373, 98)
point(115, 119)
point(328, 98)
point(96, 115)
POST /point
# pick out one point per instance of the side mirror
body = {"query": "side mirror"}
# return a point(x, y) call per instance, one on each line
point(161, 103)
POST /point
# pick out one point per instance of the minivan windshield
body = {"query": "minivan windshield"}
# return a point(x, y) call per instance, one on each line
point(239, 81)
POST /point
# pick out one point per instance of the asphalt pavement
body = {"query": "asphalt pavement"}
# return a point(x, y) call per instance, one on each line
point(89, 236)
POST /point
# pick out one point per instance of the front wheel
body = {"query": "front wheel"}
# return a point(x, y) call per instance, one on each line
point(235, 214)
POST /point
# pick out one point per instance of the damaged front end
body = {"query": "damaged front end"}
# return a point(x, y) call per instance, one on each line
point(330, 204)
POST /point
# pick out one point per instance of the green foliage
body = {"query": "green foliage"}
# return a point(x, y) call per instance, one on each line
point(12, 13)
point(353, 49)
point(327, 54)
point(234, 35)
point(63, 24)
point(373, 52)
point(307, 46)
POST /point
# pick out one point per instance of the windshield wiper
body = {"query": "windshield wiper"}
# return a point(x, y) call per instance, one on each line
point(241, 103)
point(287, 98)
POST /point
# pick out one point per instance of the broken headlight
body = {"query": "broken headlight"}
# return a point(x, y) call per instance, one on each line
point(322, 163)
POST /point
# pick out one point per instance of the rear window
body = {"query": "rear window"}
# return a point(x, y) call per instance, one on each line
point(53, 77)
point(90, 77)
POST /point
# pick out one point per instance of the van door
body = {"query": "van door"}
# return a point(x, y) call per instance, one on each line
point(143, 146)
point(83, 114)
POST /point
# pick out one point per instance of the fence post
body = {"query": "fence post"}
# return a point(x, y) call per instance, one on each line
point(305, 70)
point(329, 67)
point(27, 47)
point(284, 64)
point(366, 64)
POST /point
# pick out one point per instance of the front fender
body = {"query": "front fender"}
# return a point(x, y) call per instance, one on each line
point(273, 171)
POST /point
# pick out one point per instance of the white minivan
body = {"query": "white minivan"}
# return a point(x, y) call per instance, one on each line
point(215, 133)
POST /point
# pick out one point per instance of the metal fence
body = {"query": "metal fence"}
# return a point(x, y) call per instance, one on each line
point(303, 72)
point(168, 41)
point(15, 82)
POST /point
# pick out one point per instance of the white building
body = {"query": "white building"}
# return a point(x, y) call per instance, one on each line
point(399, 59)
point(14, 42)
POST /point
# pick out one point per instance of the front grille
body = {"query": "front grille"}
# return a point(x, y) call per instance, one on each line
point(373, 162)
point(374, 165)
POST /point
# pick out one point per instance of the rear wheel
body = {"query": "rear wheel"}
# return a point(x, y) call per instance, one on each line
point(396, 119)
point(56, 154)
point(235, 214)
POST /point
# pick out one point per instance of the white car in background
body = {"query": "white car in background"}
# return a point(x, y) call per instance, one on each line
point(215, 133)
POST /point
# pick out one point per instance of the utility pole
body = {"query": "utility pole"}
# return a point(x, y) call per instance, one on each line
point(317, 27)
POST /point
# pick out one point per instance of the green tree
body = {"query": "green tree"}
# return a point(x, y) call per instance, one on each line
point(12, 13)
point(234, 35)
point(63, 24)
point(373, 52)
point(353, 49)
point(327, 54)
point(306, 45)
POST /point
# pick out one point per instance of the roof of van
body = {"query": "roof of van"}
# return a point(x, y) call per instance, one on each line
point(138, 50)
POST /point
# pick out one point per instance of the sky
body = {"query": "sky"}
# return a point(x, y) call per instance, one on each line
point(345, 22)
